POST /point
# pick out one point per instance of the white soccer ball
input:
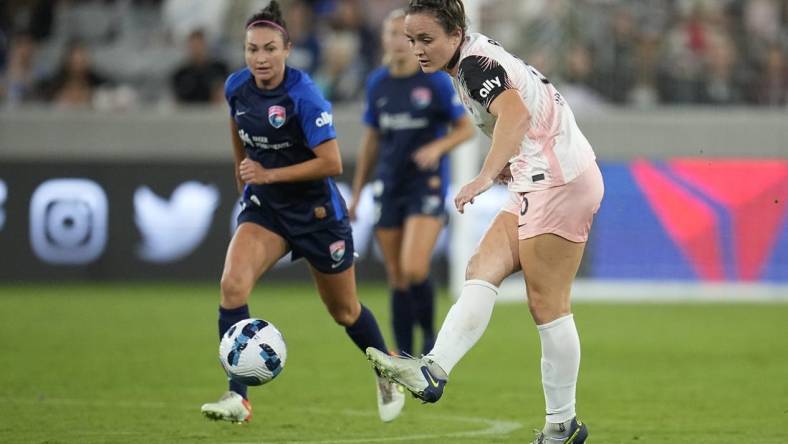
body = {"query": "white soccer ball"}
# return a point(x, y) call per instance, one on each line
point(253, 352)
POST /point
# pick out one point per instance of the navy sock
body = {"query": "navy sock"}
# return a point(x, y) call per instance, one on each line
point(227, 318)
point(424, 302)
point(402, 319)
point(365, 332)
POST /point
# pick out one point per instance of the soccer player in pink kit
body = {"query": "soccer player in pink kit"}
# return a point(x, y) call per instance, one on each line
point(556, 188)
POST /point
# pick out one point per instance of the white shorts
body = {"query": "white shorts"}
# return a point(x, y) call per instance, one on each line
point(566, 210)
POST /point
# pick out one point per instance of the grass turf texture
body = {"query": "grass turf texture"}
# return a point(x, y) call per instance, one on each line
point(134, 362)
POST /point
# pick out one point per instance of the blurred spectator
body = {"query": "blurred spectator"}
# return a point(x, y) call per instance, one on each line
point(377, 11)
point(182, 17)
point(18, 84)
point(4, 44)
point(771, 87)
point(201, 78)
point(92, 22)
point(35, 17)
point(719, 85)
point(306, 52)
point(74, 83)
point(627, 52)
point(350, 52)
point(682, 65)
point(762, 20)
point(644, 91)
point(575, 83)
point(238, 11)
point(616, 58)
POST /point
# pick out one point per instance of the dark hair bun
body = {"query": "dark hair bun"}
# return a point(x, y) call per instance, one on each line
point(271, 13)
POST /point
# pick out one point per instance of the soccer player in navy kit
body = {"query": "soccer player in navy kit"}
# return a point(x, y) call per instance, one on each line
point(407, 115)
point(285, 154)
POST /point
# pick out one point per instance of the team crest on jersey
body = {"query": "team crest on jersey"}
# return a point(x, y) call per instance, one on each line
point(277, 116)
point(337, 250)
point(421, 97)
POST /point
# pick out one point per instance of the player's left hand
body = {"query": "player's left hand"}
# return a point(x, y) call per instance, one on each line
point(428, 157)
point(253, 173)
point(470, 190)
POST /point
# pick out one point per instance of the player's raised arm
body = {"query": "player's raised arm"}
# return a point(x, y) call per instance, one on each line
point(513, 120)
point(489, 84)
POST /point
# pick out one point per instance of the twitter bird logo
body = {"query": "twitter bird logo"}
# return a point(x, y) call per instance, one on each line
point(172, 229)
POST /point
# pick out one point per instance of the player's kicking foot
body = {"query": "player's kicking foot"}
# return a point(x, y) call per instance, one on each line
point(230, 407)
point(422, 377)
point(391, 399)
point(570, 432)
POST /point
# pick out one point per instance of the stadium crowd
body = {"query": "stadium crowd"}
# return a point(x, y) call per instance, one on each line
point(118, 54)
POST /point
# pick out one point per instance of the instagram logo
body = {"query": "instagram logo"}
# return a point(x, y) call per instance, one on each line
point(68, 221)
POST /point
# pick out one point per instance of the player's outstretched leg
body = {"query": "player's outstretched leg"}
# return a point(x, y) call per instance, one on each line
point(230, 407)
point(467, 319)
point(464, 325)
point(421, 376)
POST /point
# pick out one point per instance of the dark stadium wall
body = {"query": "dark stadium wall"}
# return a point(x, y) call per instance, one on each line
point(682, 219)
point(129, 220)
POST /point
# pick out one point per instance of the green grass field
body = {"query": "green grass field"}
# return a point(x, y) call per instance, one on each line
point(119, 363)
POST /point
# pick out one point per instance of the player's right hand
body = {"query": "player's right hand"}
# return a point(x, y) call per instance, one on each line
point(253, 173)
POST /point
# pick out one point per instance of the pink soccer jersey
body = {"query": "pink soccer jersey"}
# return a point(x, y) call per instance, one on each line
point(554, 151)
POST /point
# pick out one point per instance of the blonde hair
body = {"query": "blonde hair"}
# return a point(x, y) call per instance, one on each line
point(393, 15)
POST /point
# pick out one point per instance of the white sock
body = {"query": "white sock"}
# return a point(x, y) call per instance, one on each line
point(560, 365)
point(464, 324)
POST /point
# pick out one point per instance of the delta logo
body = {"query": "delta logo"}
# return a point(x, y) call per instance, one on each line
point(277, 116)
point(725, 216)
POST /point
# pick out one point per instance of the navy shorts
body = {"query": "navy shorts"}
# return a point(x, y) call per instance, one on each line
point(329, 250)
point(392, 207)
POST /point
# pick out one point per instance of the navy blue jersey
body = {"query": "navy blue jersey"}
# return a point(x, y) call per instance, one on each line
point(408, 113)
point(279, 128)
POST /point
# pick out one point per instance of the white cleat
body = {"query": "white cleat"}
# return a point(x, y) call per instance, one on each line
point(391, 399)
point(230, 407)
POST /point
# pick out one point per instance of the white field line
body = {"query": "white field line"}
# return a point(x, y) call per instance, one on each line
point(490, 427)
